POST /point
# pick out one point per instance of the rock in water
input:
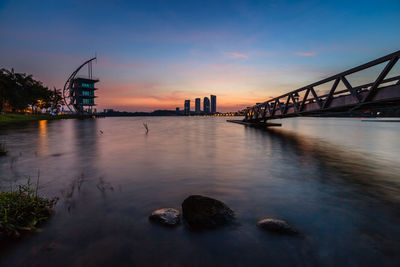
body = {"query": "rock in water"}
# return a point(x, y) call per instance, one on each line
point(166, 216)
point(277, 226)
point(206, 213)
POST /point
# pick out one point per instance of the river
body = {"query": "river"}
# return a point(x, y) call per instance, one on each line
point(337, 180)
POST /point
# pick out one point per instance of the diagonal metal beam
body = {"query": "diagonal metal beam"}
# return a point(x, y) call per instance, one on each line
point(280, 107)
point(265, 110)
point(331, 92)
point(263, 113)
point(286, 105)
point(380, 78)
point(350, 88)
point(295, 103)
point(258, 111)
point(274, 108)
point(316, 96)
point(304, 99)
point(269, 109)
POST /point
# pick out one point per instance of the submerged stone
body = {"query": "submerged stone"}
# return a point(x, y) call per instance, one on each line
point(277, 226)
point(206, 213)
point(166, 216)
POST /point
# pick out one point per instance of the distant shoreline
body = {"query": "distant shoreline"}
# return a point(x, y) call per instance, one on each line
point(166, 113)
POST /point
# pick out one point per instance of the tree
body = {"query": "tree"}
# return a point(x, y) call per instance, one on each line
point(3, 86)
point(14, 93)
point(20, 90)
point(56, 100)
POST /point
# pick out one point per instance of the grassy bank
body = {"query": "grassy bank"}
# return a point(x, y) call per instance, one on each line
point(22, 210)
point(9, 118)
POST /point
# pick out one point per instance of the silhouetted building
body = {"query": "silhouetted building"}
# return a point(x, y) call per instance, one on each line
point(187, 107)
point(78, 91)
point(206, 105)
point(213, 104)
point(197, 106)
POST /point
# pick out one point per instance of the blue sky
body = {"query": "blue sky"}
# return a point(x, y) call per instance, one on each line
point(155, 54)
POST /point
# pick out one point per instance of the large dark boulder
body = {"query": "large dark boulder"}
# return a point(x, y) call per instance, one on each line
point(206, 213)
point(166, 216)
point(277, 226)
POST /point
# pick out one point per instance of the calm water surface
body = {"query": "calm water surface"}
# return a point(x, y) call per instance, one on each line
point(336, 180)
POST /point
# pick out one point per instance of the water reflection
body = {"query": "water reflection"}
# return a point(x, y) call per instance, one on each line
point(43, 139)
point(355, 168)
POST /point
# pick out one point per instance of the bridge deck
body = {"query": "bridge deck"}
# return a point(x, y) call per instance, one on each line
point(256, 124)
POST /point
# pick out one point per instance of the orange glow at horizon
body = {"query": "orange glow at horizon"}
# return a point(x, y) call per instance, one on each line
point(167, 101)
point(232, 94)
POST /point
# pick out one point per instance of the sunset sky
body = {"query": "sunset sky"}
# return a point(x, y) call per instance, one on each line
point(155, 54)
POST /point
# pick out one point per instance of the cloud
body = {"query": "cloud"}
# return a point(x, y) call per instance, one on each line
point(306, 54)
point(236, 55)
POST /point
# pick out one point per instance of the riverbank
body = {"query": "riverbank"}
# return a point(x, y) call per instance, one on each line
point(11, 118)
point(22, 210)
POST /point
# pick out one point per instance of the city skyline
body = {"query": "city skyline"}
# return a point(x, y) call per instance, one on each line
point(209, 107)
point(153, 55)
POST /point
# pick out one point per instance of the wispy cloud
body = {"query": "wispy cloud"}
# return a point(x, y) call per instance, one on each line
point(236, 55)
point(306, 54)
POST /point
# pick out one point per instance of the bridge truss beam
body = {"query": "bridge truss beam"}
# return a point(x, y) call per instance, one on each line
point(383, 91)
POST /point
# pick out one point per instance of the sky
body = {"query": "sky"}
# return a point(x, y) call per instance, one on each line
point(155, 54)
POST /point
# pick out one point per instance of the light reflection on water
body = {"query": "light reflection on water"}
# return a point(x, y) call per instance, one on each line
point(335, 179)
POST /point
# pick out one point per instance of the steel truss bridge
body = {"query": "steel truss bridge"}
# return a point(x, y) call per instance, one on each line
point(306, 101)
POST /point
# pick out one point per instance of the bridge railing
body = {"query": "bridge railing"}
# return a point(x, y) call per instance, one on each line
point(306, 99)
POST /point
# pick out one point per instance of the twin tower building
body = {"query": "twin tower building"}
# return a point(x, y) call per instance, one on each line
point(207, 108)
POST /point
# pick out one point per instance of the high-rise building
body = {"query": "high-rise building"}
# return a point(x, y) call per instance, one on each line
point(213, 104)
point(187, 107)
point(206, 105)
point(197, 105)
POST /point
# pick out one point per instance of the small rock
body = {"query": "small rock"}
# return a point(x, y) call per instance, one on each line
point(277, 226)
point(206, 213)
point(166, 216)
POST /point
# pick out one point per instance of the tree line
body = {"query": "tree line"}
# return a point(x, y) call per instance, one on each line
point(19, 91)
